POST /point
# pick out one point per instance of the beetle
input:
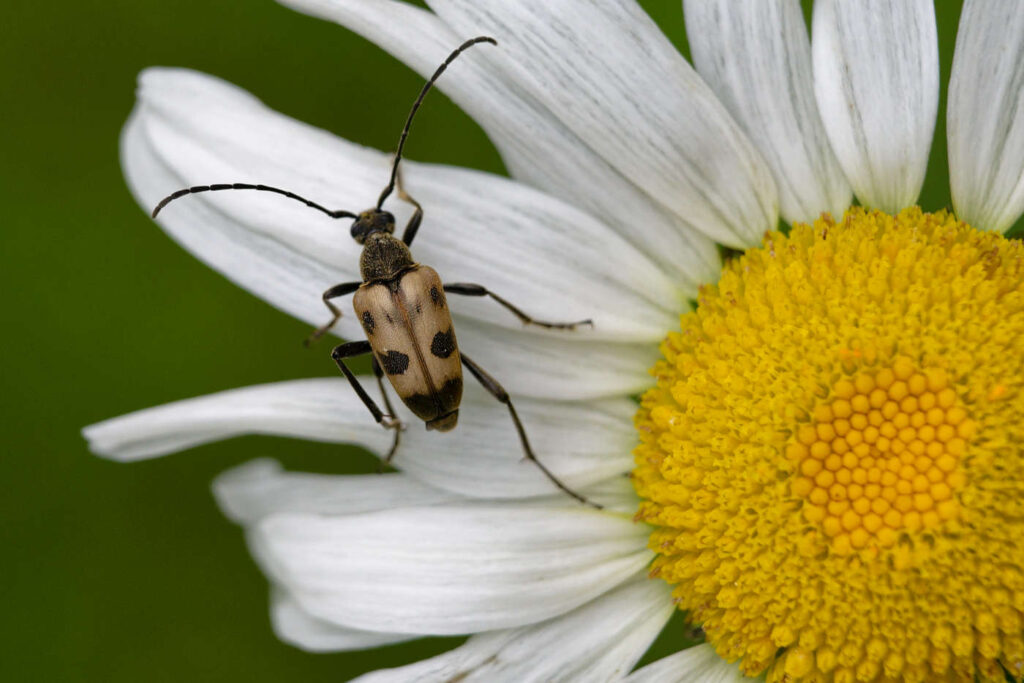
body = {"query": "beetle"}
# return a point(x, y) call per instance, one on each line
point(403, 310)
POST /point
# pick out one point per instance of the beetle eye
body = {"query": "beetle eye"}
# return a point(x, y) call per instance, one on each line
point(358, 232)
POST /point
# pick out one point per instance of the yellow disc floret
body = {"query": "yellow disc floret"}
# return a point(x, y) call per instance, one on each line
point(881, 454)
point(833, 456)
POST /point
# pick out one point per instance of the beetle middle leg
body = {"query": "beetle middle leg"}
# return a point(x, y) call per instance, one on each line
point(498, 392)
point(469, 289)
point(332, 293)
point(388, 420)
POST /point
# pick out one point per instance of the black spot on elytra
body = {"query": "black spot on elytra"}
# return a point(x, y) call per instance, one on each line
point(443, 344)
point(368, 322)
point(450, 394)
point(394, 362)
point(424, 406)
point(432, 406)
point(435, 296)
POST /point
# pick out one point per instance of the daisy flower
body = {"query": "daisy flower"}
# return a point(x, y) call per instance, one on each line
point(828, 478)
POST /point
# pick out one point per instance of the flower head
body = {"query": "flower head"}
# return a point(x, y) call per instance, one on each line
point(828, 468)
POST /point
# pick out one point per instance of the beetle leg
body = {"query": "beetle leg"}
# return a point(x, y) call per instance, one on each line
point(398, 426)
point(358, 348)
point(498, 392)
point(469, 289)
point(332, 293)
point(417, 217)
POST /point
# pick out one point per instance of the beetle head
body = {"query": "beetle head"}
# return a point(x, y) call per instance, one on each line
point(371, 221)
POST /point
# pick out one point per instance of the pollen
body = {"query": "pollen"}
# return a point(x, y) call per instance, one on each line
point(832, 459)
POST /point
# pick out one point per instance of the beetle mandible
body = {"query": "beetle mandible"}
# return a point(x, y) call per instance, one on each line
point(402, 308)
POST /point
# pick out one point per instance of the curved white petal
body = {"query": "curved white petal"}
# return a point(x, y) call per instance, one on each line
point(985, 115)
point(537, 148)
point(288, 254)
point(756, 56)
point(449, 569)
point(696, 664)
point(599, 641)
point(317, 409)
point(296, 627)
point(608, 73)
point(876, 78)
point(582, 443)
point(260, 488)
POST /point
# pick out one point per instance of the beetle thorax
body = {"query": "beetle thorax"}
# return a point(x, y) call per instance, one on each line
point(384, 257)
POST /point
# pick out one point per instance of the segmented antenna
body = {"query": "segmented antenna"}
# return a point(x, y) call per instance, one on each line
point(416, 105)
point(245, 186)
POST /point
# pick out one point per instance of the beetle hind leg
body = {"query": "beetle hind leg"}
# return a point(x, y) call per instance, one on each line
point(394, 423)
point(470, 289)
point(498, 392)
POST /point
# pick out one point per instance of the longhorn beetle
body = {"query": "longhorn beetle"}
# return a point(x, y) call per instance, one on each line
point(402, 308)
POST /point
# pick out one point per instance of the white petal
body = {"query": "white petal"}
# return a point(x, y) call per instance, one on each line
point(527, 246)
point(696, 664)
point(537, 147)
point(296, 627)
point(449, 569)
point(597, 642)
point(319, 410)
point(260, 488)
point(289, 254)
point(756, 56)
point(985, 115)
point(608, 73)
point(876, 77)
point(582, 443)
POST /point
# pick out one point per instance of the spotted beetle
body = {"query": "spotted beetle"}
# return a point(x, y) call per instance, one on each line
point(402, 308)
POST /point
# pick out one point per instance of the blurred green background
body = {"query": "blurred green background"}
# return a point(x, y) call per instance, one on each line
point(128, 572)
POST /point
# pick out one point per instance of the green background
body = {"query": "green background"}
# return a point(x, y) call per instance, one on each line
point(128, 572)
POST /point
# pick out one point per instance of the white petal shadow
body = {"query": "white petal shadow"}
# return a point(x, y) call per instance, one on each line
point(699, 663)
point(582, 443)
point(608, 74)
point(756, 56)
point(449, 569)
point(288, 254)
point(876, 78)
point(296, 627)
point(985, 115)
point(599, 641)
point(537, 148)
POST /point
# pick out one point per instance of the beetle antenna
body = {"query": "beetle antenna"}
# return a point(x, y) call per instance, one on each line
point(416, 105)
point(245, 186)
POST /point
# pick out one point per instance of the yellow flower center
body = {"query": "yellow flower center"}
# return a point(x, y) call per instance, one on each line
point(832, 458)
point(880, 455)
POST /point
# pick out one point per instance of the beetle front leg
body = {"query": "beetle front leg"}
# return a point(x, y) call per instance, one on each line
point(417, 217)
point(379, 374)
point(332, 293)
point(498, 392)
point(469, 289)
point(358, 348)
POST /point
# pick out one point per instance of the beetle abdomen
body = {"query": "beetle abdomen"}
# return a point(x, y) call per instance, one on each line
point(408, 324)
